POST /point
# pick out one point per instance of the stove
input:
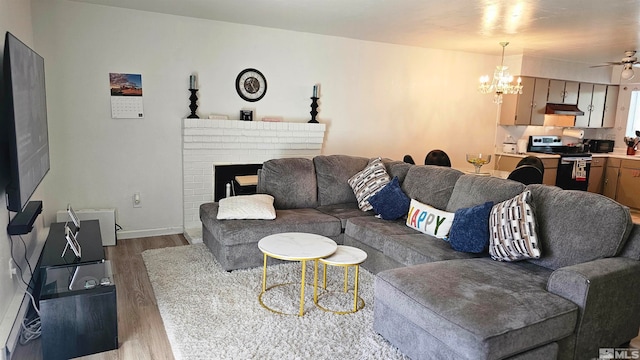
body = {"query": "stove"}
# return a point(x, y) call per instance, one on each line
point(574, 164)
point(551, 144)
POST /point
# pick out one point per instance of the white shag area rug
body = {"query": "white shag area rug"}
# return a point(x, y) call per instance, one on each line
point(209, 313)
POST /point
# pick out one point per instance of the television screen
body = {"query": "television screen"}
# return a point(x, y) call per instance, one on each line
point(25, 121)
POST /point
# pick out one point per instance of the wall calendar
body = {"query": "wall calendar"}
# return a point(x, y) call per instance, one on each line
point(126, 96)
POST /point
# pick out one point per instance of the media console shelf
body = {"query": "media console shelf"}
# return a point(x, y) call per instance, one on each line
point(89, 238)
point(77, 296)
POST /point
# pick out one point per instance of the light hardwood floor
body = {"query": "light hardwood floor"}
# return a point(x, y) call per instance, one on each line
point(140, 329)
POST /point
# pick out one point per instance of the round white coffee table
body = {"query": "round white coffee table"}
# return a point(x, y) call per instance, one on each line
point(345, 256)
point(294, 247)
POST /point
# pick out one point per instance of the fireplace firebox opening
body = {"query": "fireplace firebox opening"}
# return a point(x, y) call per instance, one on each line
point(226, 174)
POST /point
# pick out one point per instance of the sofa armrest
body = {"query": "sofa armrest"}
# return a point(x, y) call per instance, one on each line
point(607, 292)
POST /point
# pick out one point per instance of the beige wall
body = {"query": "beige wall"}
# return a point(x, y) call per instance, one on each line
point(377, 99)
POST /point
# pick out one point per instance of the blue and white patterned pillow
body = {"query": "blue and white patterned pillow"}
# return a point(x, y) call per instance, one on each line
point(368, 182)
point(513, 230)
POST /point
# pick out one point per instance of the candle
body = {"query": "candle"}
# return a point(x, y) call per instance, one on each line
point(315, 90)
point(192, 82)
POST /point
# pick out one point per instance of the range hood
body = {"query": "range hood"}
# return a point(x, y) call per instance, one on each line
point(563, 109)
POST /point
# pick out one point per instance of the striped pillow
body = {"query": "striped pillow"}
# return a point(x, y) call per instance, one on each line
point(513, 230)
point(368, 182)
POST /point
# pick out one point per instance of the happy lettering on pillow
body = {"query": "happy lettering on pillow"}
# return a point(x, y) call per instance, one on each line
point(429, 220)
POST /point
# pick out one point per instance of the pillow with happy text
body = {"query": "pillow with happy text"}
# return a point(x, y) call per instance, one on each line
point(429, 220)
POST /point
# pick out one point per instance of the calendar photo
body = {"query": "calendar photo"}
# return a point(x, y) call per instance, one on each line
point(126, 96)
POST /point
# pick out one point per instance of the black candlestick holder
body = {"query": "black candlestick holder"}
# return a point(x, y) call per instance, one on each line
point(314, 109)
point(193, 106)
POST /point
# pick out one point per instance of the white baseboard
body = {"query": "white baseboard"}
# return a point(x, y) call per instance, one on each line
point(130, 234)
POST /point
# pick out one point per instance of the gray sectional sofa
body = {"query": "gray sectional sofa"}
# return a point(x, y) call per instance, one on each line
point(433, 302)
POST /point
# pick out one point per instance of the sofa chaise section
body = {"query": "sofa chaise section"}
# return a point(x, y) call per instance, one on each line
point(475, 308)
point(578, 297)
point(234, 242)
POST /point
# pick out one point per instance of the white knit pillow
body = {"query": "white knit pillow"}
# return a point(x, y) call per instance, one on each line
point(368, 182)
point(257, 206)
point(513, 230)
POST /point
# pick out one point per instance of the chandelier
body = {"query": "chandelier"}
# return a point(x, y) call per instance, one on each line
point(502, 82)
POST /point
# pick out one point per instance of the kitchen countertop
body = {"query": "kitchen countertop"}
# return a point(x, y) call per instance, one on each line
point(485, 171)
point(598, 155)
point(540, 155)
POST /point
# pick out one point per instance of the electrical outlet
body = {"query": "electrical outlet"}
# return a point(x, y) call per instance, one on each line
point(12, 269)
point(137, 200)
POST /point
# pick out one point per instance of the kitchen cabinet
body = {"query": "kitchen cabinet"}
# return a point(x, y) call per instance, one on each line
point(610, 105)
point(508, 163)
point(596, 175)
point(526, 108)
point(591, 100)
point(628, 192)
point(563, 92)
point(598, 101)
point(610, 183)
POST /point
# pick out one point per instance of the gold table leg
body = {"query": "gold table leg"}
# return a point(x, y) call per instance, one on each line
point(324, 267)
point(355, 290)
point(346, 277)
point(304, 270)
point(264, 274)
point(315, 281)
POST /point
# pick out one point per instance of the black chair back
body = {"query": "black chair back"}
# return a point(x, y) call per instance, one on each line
point(526, 174)
point(437, 157)
point(408, 159)
point(533, 161)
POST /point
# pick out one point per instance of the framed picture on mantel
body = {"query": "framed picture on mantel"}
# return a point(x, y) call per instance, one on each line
point(246, 115)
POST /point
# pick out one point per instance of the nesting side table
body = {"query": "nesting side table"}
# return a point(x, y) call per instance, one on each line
point(294, 247)
point(345, 256)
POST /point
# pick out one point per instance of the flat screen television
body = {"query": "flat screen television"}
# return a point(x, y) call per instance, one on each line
point(25, 138)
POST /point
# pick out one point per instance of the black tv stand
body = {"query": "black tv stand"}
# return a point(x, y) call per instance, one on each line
point(82, 320)
point(89, 239)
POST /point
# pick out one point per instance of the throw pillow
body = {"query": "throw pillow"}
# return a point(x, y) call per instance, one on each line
point(513, 230)
point(429, 220)
point(470, 229)
point(258, 206)
point(368, 182)
point(390, 202)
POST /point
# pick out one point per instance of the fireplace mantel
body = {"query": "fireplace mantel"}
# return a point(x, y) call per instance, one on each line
point(208, 143)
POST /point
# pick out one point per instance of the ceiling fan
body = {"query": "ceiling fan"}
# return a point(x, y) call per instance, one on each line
point(628, 61)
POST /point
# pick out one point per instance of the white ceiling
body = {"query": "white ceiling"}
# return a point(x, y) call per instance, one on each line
point(586, 31)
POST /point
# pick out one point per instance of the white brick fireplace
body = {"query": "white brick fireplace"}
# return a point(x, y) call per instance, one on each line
point(209, 143)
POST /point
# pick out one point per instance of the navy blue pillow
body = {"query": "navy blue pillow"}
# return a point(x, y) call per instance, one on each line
point(470, 229)
point(390, 202)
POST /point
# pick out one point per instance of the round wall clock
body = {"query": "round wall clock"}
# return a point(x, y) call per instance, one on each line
point(251, 85)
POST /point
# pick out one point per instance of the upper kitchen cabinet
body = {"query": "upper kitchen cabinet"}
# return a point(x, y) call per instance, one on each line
point(563, 92)
point(609, 119)
point(526, 108)
point(591, 100)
